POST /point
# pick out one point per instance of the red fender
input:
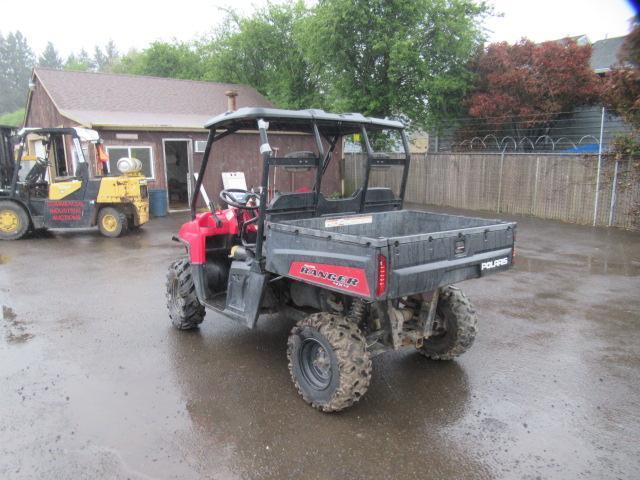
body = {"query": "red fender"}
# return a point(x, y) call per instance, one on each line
point(195, 232)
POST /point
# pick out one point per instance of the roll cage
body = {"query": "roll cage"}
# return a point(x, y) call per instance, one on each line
point(321, 125)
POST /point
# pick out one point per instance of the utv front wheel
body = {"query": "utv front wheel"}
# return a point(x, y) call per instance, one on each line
point(185, 310)
point(328, 361)
point(455, 326)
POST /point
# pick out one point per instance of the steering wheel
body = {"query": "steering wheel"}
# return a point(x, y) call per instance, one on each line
point(227, 196)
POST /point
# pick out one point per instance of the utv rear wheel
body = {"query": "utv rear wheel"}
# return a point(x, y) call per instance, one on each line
point(112, 222)
point(455, 326)
point(14, 221)
point(185, 310)
point(328, 361)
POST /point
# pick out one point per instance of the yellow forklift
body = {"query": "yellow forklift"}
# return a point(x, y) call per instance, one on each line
point(36, 192)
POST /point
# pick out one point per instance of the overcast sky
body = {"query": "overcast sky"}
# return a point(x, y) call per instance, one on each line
point(75, 24)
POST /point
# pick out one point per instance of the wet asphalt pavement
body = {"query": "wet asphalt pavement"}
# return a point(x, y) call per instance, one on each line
point(94, 383)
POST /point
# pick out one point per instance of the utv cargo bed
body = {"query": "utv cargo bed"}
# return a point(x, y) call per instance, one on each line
point(417, 251)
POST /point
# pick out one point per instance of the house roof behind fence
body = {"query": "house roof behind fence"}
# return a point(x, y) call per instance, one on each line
point(132, 101)
point(604, 53)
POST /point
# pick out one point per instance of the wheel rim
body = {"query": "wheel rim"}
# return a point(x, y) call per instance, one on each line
point(109, 222)
point(9, 221)
point(315, 364)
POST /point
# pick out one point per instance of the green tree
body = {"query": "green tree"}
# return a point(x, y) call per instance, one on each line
point(13, 119)
point(112, 56)
point(81, 62)
point(265, 51)
point(402, 58)
point(130, 62)
point(16, 61)
point(99, 59)
point(50, 58)
point(163, 59)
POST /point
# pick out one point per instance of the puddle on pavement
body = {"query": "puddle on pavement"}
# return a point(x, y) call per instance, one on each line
point(582, 263)
point(15, 329)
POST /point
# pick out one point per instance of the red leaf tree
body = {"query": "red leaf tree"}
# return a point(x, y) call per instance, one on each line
point(622, 87)
point(528, 85)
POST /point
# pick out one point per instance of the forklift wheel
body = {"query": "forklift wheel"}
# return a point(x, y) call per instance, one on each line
point(14, 221)
point(328, 361)
point(112, 222)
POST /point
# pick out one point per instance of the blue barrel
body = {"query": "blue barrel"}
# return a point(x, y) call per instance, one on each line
point(158, 203)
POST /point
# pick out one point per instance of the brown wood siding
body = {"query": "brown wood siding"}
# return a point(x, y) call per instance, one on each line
point(240, 152)
point(152, 139)
point(43, 112)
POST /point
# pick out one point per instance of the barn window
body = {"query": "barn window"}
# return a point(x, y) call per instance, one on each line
point(200, 146)
point(143, 154)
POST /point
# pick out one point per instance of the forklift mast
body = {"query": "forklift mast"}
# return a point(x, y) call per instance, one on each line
point(7, 162)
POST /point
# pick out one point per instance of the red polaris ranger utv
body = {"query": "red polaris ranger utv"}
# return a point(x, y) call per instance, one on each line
point(362, 275)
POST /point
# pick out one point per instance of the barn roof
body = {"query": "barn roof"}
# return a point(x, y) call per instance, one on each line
point(133, 101)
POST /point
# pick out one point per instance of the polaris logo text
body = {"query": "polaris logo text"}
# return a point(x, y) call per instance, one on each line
point(339, 280)
point(500, 262)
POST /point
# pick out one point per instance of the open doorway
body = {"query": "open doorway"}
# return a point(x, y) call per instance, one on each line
point(177, 156)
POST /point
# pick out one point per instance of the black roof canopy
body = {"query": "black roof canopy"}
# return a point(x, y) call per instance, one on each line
point(299, 121)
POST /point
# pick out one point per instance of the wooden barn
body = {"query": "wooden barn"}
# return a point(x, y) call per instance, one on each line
point(160, 122)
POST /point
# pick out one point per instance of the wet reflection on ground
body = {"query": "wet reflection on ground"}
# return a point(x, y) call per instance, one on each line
point(95, 384)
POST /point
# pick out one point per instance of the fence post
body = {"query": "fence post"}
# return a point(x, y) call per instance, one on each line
point(613, 193)
point(500, 179)
point(595, 203)
point(535, 187)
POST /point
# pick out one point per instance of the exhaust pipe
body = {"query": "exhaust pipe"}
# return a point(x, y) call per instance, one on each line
point(231, 100)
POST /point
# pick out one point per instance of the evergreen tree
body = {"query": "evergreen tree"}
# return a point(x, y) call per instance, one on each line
point(16, 61)
point(99, 59)
point(50, 58)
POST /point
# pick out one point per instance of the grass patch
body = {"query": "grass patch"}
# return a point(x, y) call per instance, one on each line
point(13, 119)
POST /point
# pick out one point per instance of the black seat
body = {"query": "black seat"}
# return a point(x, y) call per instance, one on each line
point(291, 206)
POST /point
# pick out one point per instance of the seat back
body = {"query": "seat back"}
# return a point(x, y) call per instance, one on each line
point(298, 205)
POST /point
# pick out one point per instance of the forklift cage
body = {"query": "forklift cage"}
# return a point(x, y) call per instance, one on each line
point(321, 125)
point(77, 135)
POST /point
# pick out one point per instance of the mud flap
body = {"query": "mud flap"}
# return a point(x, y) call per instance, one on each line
point(244, 293)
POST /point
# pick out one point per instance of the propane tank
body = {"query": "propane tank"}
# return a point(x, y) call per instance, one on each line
point(129, 165)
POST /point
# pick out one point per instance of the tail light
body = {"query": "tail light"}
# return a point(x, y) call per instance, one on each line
point(381, 283)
